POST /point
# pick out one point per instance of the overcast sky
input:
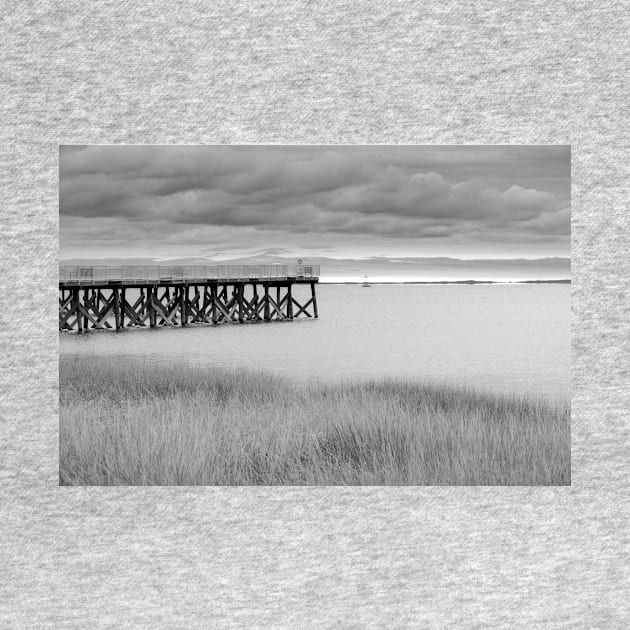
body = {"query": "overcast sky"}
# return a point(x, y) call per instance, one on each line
point(224, 202)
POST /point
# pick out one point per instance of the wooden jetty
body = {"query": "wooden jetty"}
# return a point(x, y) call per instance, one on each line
point(122, 297)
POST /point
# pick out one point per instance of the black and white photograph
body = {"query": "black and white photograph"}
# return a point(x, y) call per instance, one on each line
point(315, 315)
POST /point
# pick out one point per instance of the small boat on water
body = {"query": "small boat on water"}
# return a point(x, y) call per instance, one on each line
point(366, 283)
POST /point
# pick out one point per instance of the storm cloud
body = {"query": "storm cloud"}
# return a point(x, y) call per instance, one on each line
point(455, 200)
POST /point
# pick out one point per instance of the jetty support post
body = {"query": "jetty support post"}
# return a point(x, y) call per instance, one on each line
point(123, 301)
point(289, 302)
point(183, 296)
point(197, 317)
point(151, 291)
point(62, 301)
point(86, 321)
point(240, 288)
point(116, 296)
point(213, 306)
point(255, 312)
point(266, 315)
point(314, 298)
point(76, 301)
point(204, 305)
point(142, 304)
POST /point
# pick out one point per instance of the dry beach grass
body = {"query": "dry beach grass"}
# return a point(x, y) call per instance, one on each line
point(137, 423)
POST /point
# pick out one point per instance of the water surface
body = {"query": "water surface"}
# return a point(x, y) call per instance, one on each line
point(506, 338)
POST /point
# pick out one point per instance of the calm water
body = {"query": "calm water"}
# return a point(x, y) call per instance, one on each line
point(509, 338)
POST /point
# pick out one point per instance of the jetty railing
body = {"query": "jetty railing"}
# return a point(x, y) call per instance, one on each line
point(157, 273)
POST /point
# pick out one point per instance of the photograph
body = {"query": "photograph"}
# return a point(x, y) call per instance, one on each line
point(315, 315)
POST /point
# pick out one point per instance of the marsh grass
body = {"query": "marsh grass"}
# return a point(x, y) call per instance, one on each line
point(135, 423)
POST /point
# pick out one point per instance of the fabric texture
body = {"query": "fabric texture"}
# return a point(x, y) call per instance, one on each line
point(327, 72)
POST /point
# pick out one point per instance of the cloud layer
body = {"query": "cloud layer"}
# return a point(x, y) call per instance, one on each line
point(451, 200)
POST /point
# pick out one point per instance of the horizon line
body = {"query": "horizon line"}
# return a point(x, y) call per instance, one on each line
point(317, 257)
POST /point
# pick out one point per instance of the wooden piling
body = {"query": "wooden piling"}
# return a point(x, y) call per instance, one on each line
point(76, 308)
point(314, 298)
point(266, 315)
point(116, 298)
point(151, 296)
point(240, 288)
point(123, 301)
point(289, 302)
point(255, 302)
point(213, 297)
point(183, 297)
point(142, 303)
point(86, 321)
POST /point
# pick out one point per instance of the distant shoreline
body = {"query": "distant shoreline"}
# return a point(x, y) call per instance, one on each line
point(361, 282)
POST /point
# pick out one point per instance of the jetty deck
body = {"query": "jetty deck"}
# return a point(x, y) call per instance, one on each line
point(119, 297)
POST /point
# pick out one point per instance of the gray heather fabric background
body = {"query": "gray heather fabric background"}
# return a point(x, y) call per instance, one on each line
point(328, 72)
